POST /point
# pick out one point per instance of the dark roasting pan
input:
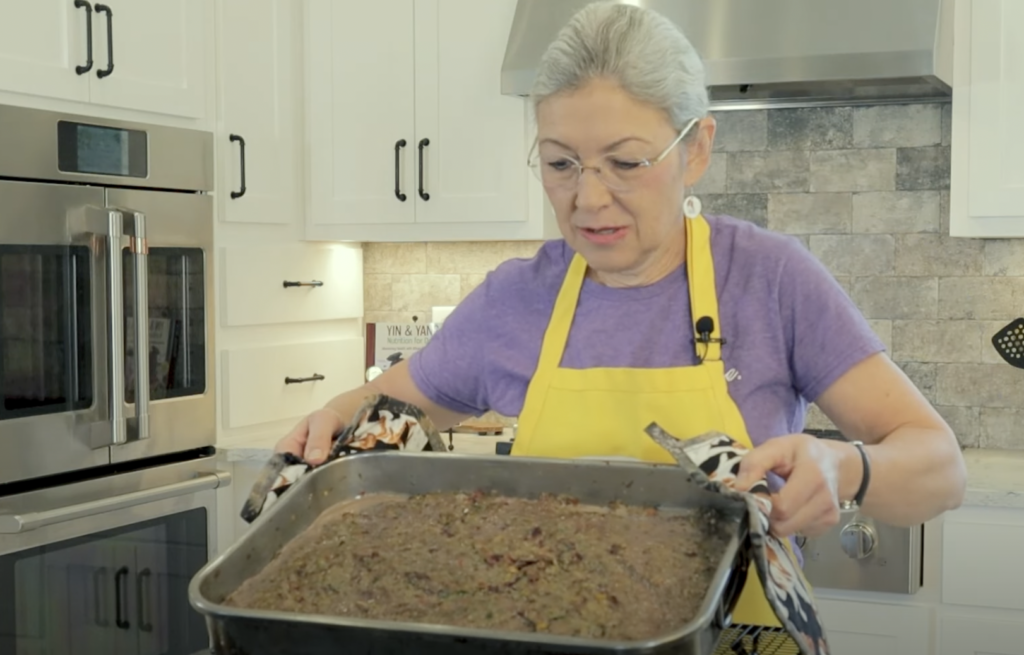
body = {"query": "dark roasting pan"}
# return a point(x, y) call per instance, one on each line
point(236, 631)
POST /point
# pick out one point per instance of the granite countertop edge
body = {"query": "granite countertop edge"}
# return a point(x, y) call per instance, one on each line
point(995, 478)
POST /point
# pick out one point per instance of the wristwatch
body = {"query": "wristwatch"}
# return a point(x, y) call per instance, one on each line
point(858, 499)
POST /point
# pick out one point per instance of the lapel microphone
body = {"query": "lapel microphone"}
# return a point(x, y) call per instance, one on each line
point(705, 326)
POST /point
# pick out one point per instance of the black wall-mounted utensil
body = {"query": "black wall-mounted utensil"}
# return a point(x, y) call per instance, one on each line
point(1009, 343)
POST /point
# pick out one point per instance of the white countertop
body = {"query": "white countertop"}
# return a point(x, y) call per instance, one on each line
point(995, 478)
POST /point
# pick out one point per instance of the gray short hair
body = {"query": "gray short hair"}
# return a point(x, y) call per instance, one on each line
point(647, 54)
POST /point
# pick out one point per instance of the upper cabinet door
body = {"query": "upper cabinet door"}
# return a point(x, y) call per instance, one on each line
point(42, 43)
point(157, 50)
point(259, 81)
point(987, 192)
point(360, 64)
point(475, 163)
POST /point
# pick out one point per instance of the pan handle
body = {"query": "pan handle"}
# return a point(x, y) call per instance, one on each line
point(733, 587)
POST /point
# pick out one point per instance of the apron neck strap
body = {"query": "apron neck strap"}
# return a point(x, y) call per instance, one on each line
point(700, 271)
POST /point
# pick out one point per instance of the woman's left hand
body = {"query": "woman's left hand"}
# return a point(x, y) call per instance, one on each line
point(809, 501)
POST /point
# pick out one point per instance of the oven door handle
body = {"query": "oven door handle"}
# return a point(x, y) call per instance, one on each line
point(140, 252)
point(115, 304)
point(19, 523)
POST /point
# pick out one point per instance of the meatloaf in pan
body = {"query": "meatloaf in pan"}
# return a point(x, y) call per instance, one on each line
point(428, 553)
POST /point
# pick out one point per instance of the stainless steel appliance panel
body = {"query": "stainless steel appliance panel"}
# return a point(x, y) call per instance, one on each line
point(103, 566)
point(33, 143)
point(180, 403)
point(865, 555)
point(53, 332)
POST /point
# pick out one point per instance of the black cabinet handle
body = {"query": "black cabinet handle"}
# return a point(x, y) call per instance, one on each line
point(104, 9)
point(423, 144)
point(241, 153)
point(121, 580)
point(142, 590)
point(82, 4)
point(398, 183)
point(312, 283)
point(316, 377)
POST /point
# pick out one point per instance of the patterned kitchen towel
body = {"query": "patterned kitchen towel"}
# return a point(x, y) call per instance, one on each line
point(380, 423)
point(712, 461)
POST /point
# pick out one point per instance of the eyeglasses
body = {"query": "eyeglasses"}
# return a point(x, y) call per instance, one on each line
point(618, 172)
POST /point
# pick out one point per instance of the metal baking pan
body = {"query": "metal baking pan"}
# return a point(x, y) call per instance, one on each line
point(235, 631)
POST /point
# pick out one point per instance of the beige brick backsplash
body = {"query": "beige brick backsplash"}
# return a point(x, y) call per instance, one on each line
point(988, 351)
point(469, 282)
point(376, 292)
point(395, 258)
point(965, 423)
point(853, 170)
point(895, 212)
point(866, 190)
point(810, 213)
point(979, 385)
point(981, 298)
point(889, 126)
point(816, 419)
point(741, 130)
point(882, 328)
point(1002, 427)
point(714, 179)
point(397, 317)
point(896, 297)
point(855, 254)
point(937, 341)
point(937, 255)
point(923, 375)
point(409, 291)
point(1003, 257)
point(767, 172)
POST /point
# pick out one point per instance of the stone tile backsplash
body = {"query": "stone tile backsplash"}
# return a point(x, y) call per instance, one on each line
point(867, 191)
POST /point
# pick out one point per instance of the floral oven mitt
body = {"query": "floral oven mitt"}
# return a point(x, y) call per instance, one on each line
point(713, 461)
point(380, 423)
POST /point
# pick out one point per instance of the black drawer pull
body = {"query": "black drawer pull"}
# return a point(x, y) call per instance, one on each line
point(104, 9)
point(312, 283)
point(241, 154)
point(82, 4)
point(423, 144)
point(316, 377)
point(398, 181)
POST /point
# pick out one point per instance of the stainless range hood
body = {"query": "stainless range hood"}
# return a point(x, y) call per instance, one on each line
point(780, 52)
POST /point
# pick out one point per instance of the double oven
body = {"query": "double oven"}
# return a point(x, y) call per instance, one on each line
point(108, 471)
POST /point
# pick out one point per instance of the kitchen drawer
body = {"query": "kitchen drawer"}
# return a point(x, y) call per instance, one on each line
point(256, 390)
point(254, 277)
point(981, 549)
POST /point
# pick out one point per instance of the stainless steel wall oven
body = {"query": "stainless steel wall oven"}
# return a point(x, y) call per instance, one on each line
point(107, 394)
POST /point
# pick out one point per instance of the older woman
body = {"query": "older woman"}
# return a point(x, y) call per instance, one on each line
point(648, 310)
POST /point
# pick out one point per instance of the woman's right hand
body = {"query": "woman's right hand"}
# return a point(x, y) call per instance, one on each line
point(310, 439)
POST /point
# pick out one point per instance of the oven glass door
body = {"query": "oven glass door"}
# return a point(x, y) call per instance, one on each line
point(52, 331)
point(178, 410)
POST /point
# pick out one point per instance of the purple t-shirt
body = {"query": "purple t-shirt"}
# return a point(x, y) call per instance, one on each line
point(791, 330)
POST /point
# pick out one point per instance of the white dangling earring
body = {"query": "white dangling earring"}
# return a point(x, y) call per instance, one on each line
point(691, 207)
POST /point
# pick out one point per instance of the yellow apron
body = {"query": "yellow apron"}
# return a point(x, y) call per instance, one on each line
point(603, 411)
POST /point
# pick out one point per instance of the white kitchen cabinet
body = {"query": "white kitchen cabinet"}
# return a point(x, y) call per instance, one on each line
point(409, 136)
point(43, 48)
point(855, 628)
point(146, 55)
point(259, 137)
point(291, 283)
point(974, 635)
point(987, 174)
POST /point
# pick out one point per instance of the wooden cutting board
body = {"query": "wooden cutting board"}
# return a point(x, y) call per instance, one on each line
point(480, 427)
